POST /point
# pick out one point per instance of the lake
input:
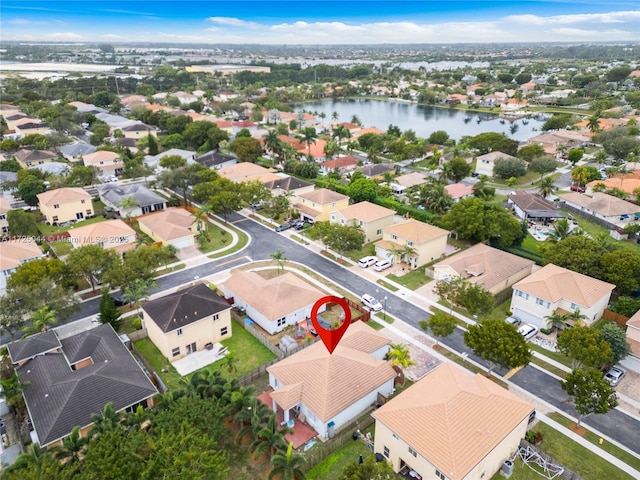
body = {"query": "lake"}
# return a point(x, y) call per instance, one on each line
point(423, 119)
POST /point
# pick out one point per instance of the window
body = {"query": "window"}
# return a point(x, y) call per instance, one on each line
point(379, 231)
point(396, 436)
point(81, 201)
point(179, 331)
point(440, 475)
point(56, 206)
point(89, 212)
point(544, 303)
point(342, 221)
point(394, 237)
point(175, 352)
point(333, 204)
point(522, 294)
point(215, 317)
point(575, 306)
point(333, 218)
point(224, 331)
point(413, 452)
point(3, 217)
point(410, 243)
point(386, 451)
point(281, 321)
point(55, 219)
point(361, 223)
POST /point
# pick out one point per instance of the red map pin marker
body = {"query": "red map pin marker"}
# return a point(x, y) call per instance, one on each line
point(331, 338)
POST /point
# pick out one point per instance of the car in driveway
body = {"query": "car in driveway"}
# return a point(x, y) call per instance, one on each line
point(528, 331)
point(381, 265)
point(513, 320)
point(371, 302)
point(614, 375)
point(283, 227)
point(365, 262)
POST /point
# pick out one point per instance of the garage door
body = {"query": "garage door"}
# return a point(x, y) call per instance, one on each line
point(527, 317)
point(183, 242)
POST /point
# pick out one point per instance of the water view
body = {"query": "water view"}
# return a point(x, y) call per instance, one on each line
point(423, 119)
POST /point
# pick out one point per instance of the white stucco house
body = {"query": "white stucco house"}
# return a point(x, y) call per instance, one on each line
point(330, 390)
point(556, 289)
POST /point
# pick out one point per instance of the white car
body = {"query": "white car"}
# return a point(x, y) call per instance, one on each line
point(367, 261)
point(382, 265)
point(614, 375)
point(371, 303)
point(528, 331)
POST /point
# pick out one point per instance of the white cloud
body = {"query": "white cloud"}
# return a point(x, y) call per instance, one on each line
point(611, 17)
point(580, 32)
point(233, 22)
point(63, 36)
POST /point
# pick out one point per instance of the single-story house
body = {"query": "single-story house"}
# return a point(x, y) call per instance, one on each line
point(109, 163)
point(330, 390)
point(187, 321)
point(316, 148)
point(243, 171)
point(556, 289)
point(67, 380)
point(114, 234)
point(216, 160)
point(5, 206)
point(601, 205)
point(553, 142)
point(138, 130)
point(343, 164)
point(369, 217)
point(153, 161)
point(487, 162)
point(67, 204)
point(28, 158)
point(31, 126)
point(284, 184)
point(75, 151)
point(419, 242)
point(493, 269)
point(316, 206)
point(274, 304)
point(376, 170)
point(14, 253)
point(146, 201)
point(459, 191)
point(451, 425)
point(627, 182)
point(173, 226)
point(527, 205)
point(402, 183)
point(633, 333)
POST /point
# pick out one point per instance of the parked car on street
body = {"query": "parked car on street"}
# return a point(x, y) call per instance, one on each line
point(371, 302)
point(614, 375)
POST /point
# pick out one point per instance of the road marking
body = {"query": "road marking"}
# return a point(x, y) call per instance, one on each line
point(511, 373)
point(240, 221)
point(229, 261)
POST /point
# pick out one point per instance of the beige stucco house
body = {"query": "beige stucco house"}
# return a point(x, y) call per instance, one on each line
point(317, 205)
point(556, 289)
point(187, 321)
point(28, 158)
point(14, 253)
point(114, 234)
point(451, 425)
point(5, 206)
point(107, 162)
point(173, 226)
point(495, 270)
point(286, 185)
point(633, 333)
point(138, 130)
point(369, 217)
point(487, 162)
point(68, 204)
point(243, 171)
point(422, 243)
point(274, 303)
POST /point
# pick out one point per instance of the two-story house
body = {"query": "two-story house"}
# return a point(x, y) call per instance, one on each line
point(413, 242)
point(113, 234)
point(187, 321)
point(487, 162)
point(68, 204)
point(367, 216)
point(556, 289)
point(28, 158)
point(107, 162)
point(5, 206)
point(14, 253)
point(316, 206)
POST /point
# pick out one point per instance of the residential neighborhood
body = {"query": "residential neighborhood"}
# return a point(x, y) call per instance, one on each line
point(180, 245)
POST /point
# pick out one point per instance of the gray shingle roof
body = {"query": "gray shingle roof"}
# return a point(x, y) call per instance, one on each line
point(113, 194)
point(77, 149)
point(59, 398)
point(214, 158)
point(33, 345)
point(287, 183)
point(185, 307)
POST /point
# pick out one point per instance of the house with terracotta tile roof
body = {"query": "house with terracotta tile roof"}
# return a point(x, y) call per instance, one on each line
point(187, 321)
point(633, 333)
point(107, 162)
point(556, 289)
point(451, 425)
point(330, 390)
point(553, 142)
point(243, 171)
point(317, 148)
point(362, 131)
point(173, 226)
point(343, 164)
point(419, 242)
point(5, 206)
point(493, 269)
point(603, 206)
point(514, 104)
point(274, 304)
point(627, 182)
point(459, 191)
point(367, 216)
point(67, 204)
point(531, 205)
point(68, 380)
point(14, 253)
point(402, 183)
point(114, 234)
point(487, 162)
point(28, 158)
point(316, 206)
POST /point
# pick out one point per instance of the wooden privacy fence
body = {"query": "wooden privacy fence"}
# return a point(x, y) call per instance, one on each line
point(615, 317)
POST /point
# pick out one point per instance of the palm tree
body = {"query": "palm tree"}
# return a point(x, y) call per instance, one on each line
point(40, 321)
point(127, 204)
point(279, 258)
point(272, 143)
point(322, 115)
point(72, 446)
point(408, 253)
point(546, 187)
point(287, 465)
point(230, 361)
point(593, 123)
point(335, 116)
point(252, 418)
point(556, 320)
point(309, 136)
point(388, 177)
point(33, 456)
point(202, 216)
point(11, 390)
point(576, 316)
point(400, 356)
point(435, 198)
point(561, 229)
point(104, 422)
point(270, 438)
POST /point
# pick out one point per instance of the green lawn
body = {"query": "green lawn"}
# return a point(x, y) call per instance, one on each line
point(171, 378)
point(627, 458)
point(243, 239)
point(50, 229)
point(595, 230)
point(557, 356)
point(413, 279)
point(387, 285)
point(61, 248)
point(365, 251)
point(331, 467)
point(217, 239)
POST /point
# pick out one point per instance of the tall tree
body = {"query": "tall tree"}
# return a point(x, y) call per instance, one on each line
point(400, 356)
point(40, 321)
point(616, 337)
point(440, 323)
point(22, 223)
point(127, 204)
point(91, 261)
point(108, 311)
point(138, 290)
point(309, 136)
point(510, 352)
point(546, 187)
point(586, 347)
point(286, 465)
point(270, 439)
point(590, 392)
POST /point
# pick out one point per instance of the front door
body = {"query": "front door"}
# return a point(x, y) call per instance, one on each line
point(191, 348)
point(79, 216)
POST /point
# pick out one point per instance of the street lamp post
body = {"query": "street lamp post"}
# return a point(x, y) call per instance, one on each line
point(384, 309)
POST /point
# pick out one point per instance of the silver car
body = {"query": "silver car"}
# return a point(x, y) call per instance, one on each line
point(614, 375)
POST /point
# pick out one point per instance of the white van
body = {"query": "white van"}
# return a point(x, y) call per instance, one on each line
point(382, 265)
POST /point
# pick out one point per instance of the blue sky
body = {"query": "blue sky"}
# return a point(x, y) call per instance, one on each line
point(320, 21)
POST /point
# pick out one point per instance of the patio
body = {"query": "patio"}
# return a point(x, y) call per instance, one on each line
point(302, 432)
point(200, 359)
